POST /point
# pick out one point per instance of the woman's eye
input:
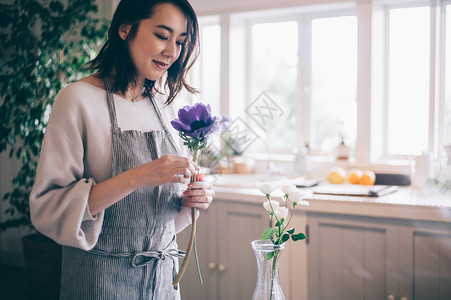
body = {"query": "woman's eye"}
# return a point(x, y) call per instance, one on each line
point(161, 37)
point(180, 43)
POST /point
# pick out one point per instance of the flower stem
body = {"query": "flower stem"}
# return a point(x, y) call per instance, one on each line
point(291, 216)
point(189, 250)
point(274, 260)
point(197, 262)
point(184, 265)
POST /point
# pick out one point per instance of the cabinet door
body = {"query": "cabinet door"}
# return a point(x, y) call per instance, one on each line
point(238, 225)
point(190, 287)
point(427, 261)
point(348, 258)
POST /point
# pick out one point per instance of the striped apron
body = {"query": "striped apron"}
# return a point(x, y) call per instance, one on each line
point(136, 253)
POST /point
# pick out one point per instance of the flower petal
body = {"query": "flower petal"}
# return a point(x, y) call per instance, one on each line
point(205, 130)
point(281, 213)
point(287, 188)
point(271, 205)
point(185, 116)
point(201, 112)
point(179, 126)
point(268, 188)
point(295, 196)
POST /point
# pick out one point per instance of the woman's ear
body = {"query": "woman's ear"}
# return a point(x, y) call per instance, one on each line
point(124, 29)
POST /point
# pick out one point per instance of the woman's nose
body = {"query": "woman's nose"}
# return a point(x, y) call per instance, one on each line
point(171, 50)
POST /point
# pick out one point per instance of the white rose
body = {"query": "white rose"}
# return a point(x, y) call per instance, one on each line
point(281, 213)
point(268, 188)
point(287, 188)
point(271, 203)
point(295, 196)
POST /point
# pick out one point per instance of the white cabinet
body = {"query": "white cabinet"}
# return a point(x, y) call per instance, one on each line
point(425, 260)
point(352, 257)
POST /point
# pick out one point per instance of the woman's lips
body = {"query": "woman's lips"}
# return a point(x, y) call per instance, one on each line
point(160, 65)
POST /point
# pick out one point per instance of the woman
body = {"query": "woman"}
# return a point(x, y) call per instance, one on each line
point(109, 179)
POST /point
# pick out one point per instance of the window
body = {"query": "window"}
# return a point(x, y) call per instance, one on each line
point(408, 81)
point(334, 81)
point(307, 66)
point(447, 110)
point(374, 76)
point(274, 72)
point(206, 74)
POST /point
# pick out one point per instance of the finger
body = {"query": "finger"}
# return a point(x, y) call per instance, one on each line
point(200, 185)
point(196, 166)
point(179, 179)
point(201, 196)
point(195, 202)
point(183, 163)
point(198, 192)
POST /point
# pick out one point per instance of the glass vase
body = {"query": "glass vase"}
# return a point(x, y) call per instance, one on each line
point(268, 258)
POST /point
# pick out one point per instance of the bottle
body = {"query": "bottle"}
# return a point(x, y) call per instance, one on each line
point(300, 159)
point(422, 170)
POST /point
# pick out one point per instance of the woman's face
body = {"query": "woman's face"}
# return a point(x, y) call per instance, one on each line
point(158, 41)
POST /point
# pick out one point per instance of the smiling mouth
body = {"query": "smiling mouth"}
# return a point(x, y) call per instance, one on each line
point(160, 65)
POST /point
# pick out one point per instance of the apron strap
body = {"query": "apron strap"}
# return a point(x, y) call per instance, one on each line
point(111, 106)
point(160, 117)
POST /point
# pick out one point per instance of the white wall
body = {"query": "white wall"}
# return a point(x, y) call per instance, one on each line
point(213, 7)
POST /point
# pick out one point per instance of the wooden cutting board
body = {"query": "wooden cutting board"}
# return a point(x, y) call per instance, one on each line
point(355, 190)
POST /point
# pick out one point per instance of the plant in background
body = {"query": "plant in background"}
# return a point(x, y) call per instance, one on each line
point(280, 215)
point(195, 124)
point(44, 44)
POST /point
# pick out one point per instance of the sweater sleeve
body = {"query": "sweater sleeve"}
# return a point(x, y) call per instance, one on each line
point(184, 219)
point(59, 198)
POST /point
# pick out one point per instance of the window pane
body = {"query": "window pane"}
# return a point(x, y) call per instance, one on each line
point(205, 75)
point(334, 81)
point(274, 72)
point(448, 77)
point(408, 93)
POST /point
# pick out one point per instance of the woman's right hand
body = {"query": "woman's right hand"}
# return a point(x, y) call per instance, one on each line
point(166, 169)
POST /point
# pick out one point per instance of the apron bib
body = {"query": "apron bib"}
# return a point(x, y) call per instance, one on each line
point(136, 253)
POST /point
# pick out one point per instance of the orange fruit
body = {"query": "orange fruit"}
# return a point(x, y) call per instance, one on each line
point(354, 176)
point(336, 175)
point(368, 178)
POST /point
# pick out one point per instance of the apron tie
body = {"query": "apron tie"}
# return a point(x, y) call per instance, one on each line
point(154, 255)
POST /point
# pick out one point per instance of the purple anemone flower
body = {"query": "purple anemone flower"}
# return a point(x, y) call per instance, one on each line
point(195, 121)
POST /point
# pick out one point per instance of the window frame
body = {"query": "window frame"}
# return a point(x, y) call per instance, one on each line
point(303, 100)
point(372, 82)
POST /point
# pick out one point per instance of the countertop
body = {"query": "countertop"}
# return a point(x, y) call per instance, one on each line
point(406, 203)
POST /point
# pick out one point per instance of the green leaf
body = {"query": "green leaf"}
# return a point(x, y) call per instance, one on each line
point(285, 238)
point(299, 236)
point(267, 234)
point(269, 255)
point(290, 231)
point(279, 223)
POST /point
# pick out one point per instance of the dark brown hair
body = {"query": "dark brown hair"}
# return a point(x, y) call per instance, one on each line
point(115, 56)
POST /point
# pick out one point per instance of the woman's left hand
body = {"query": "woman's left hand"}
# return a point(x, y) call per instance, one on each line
point(199, 195)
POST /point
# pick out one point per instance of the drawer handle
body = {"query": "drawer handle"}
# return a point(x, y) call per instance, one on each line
point(221, 268)
point(211, 265)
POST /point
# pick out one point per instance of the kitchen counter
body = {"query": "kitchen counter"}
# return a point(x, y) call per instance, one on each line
point(406, 203)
